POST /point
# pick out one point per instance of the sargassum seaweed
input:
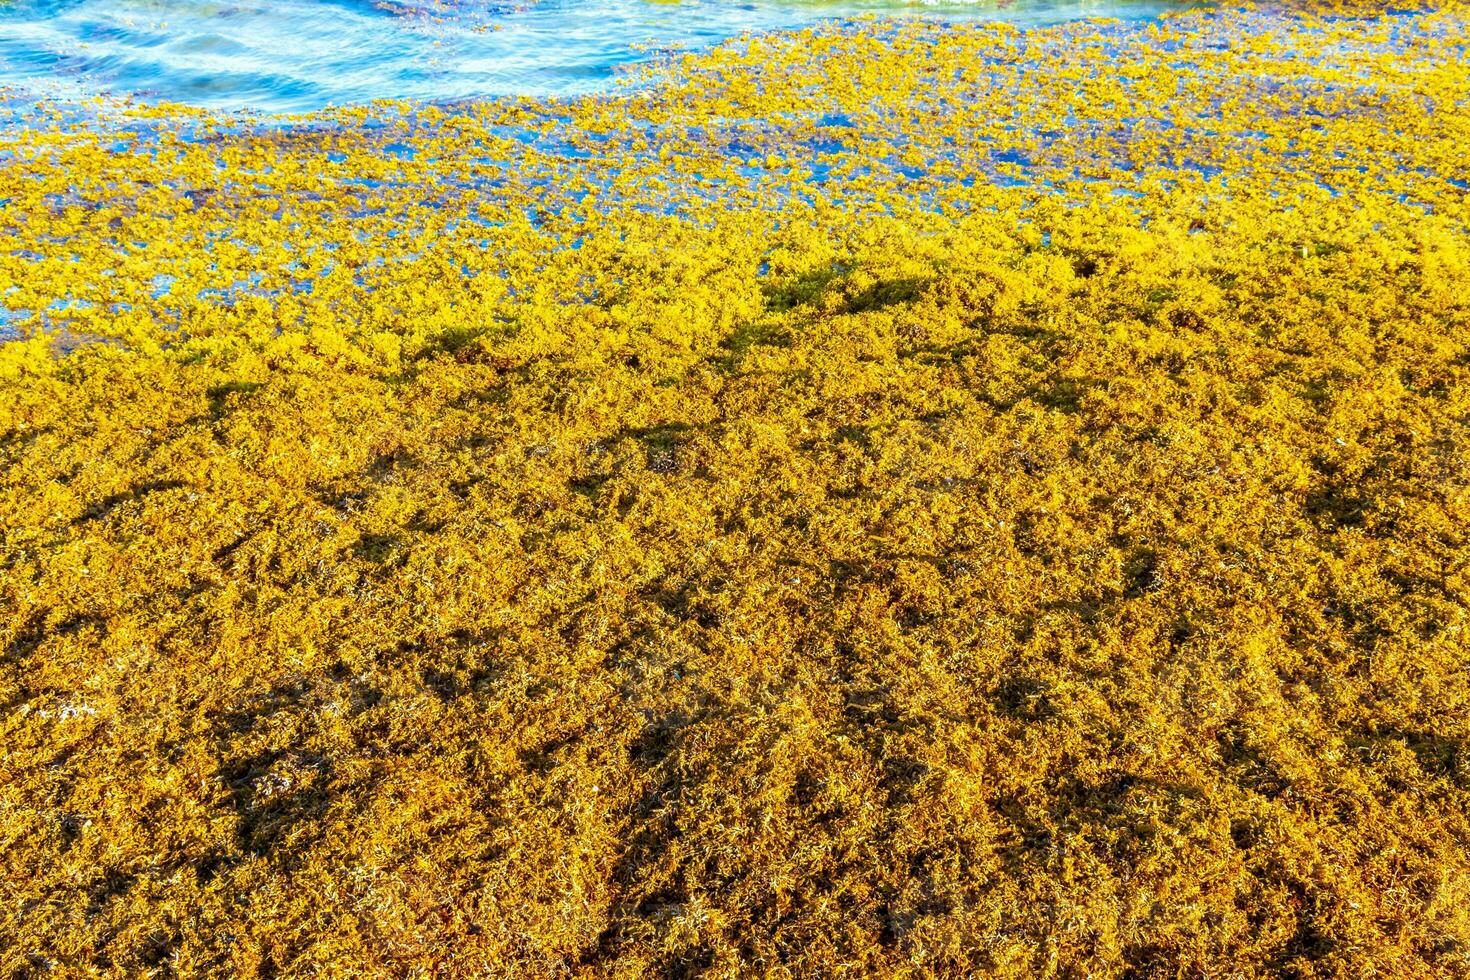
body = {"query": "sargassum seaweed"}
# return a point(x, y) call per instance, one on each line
point(890, 499)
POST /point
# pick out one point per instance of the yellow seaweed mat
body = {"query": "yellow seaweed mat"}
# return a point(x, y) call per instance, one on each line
point(888, 500)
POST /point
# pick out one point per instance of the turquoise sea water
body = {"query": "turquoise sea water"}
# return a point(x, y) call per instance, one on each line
point(297, 55)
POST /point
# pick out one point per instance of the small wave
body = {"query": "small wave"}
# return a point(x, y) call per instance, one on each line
point(301, 55)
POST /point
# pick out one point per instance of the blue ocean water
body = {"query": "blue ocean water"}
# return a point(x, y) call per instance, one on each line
point(299, 55)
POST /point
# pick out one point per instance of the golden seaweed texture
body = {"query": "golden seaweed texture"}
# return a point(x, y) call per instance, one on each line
point(889, 500)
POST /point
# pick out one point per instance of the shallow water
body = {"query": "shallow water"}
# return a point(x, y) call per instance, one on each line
point(298, 55)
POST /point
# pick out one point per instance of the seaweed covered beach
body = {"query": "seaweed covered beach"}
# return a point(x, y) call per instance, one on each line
point(893, 498)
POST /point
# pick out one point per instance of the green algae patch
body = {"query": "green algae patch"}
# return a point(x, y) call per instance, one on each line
point(832, 512)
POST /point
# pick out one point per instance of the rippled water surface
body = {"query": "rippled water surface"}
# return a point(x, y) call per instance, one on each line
point(291, 55)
